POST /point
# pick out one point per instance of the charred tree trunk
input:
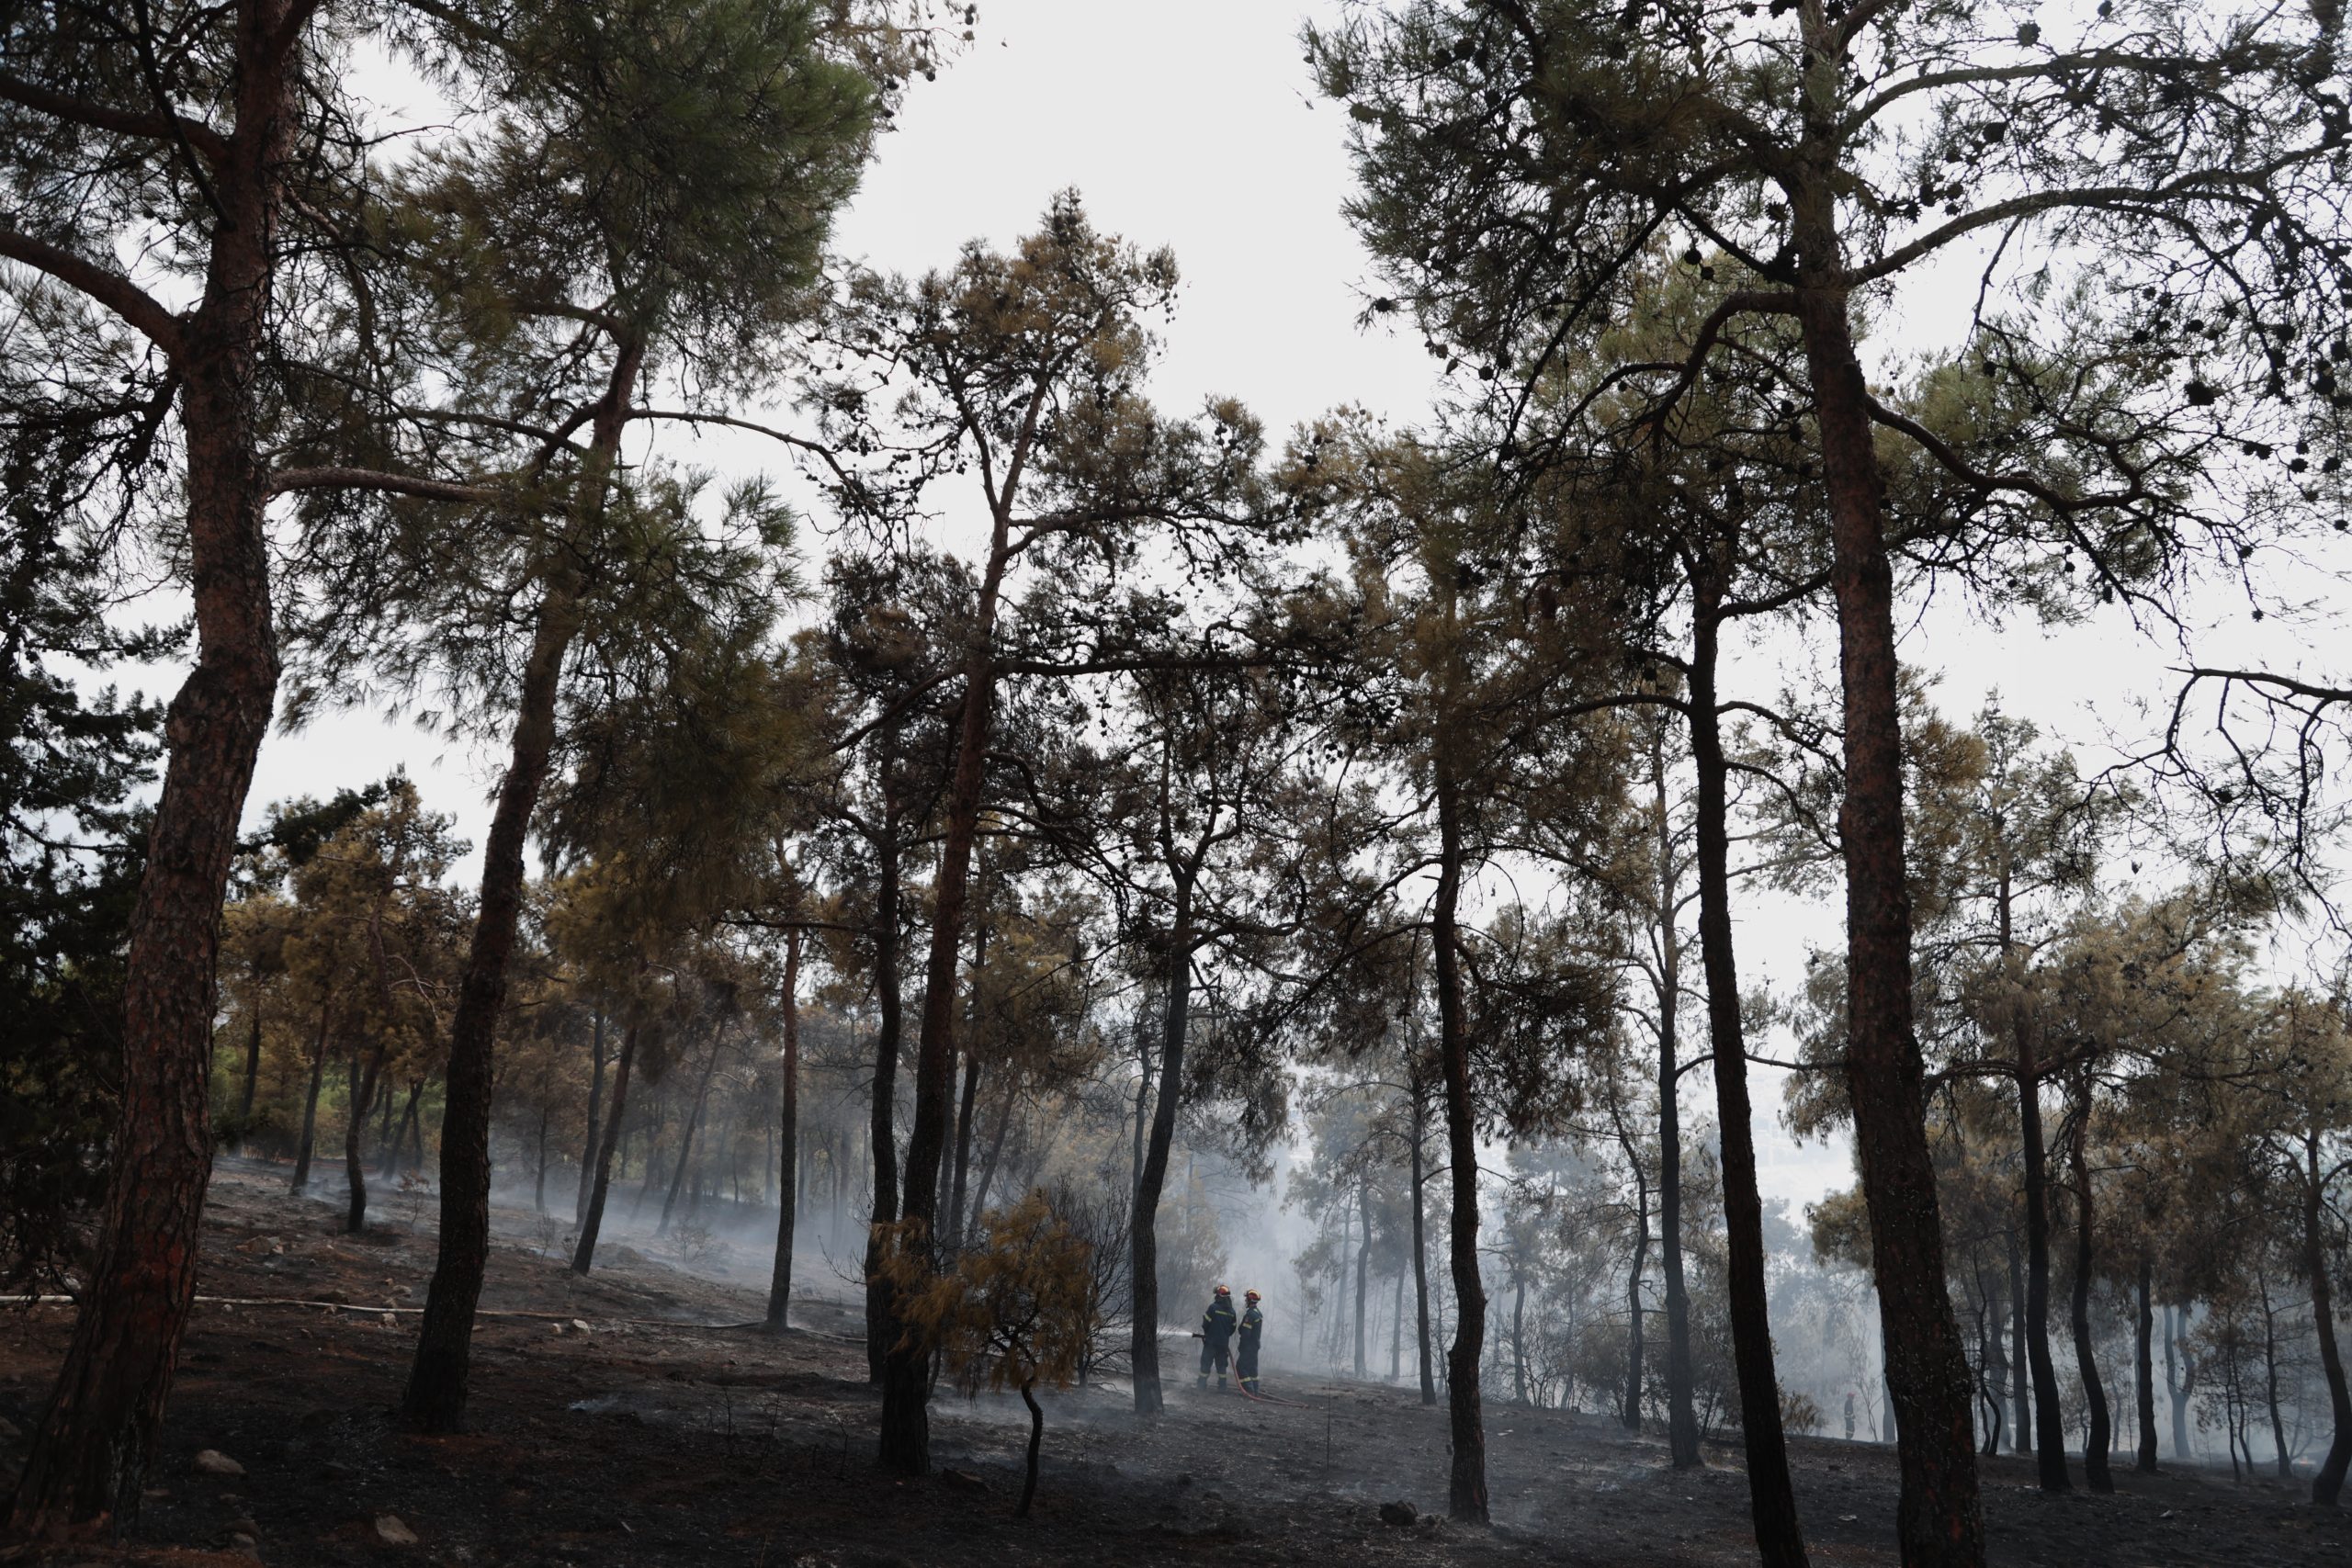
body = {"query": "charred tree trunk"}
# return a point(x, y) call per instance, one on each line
point(1143, 1223)
point(1682, 1416)
point(301, 1181)
point(435, 1400)
point(2328, 1484)
point(2095, 1447)
point(889, 1026)
point(2179, 1383)
point(1940, 1518)
point(1773, 1505)
point(906, 1383)
point(1421, 1255)
point(395, 1136)
point(364, 1088)
point(595, 1111)
point(957, 1221)
point(2143, 1367)
point(583, 1251)
point(1363, 1271)
point(83, 1465)
point(1630, 1411)
point(787, 1142)
point(1466, 1492)
point(2020, 1394)
point(1036, 1441)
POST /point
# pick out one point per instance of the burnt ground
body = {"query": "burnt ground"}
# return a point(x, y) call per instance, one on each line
point(658, 1437)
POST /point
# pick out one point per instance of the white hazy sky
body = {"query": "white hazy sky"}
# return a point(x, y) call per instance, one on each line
point(1193, 125)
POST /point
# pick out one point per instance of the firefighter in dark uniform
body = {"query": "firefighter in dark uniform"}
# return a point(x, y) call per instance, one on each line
point(1216, 1333)
point(1253, 1329)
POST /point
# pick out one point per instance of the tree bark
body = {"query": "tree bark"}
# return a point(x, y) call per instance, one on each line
point(1143, 1223)
point(1629, 1411)
point(694, 1126)
point(1681, 1417)
point(889, 1027)
point(1940, 1517)
point(1036, 1441)
point(595, 1111)
point(436, 1397)
point(1421, 1256)
point(2143, 1367)
point(906, 1383)
point(1466, 1490)
point(583, 1251)
point(1772, 1495)
point(2050, 1432)
point(84, 1466)
point(2095, 1447)
point(787, 1142)
point(1364, 1268)
point(355, 1129)
point(2020, 1393)
point(2178, 1386)
point(2328, 1484)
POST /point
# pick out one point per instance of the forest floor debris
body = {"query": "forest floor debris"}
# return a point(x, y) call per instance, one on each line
point(630, 1443)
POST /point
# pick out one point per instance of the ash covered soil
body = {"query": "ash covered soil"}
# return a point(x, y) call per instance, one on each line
point(661, 1436)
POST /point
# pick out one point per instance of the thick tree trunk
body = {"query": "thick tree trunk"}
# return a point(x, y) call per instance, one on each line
point(436, 1397)
point(1466, 1490)
point(583, 1251)
point(1143, 1223)
point(2328, 1484)
point(883, 1107)
point(906, 1383)
point(595, 1137)
point(302, 1181)
point(1771, 1496)
point(1940, 1517)
point(1421, 1256)
point(86, 1461)
point(787, 1142)
point(2095, 1469)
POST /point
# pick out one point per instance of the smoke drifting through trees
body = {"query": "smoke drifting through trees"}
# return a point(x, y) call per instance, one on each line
point(1057, 852)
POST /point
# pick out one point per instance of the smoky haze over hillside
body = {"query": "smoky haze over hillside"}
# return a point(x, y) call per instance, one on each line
point(881, 781)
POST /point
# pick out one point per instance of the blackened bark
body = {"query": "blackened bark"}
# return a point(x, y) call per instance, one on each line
point(1143, 1221)
point(1629, 1411)
point(887, 1035)
point(1466, 1489)
point(1036, 1440)
point(2020, 1395)
point(1421, 1253)
point(2143, 1366)
point(2328, 1484)
point(1771, 1496)
point(1363, 1266)
point(84, 1466)
point(583, 1251)
point(2180, 1383)
point(363, 1089)
point(957, 1222)
point(787, 1141)
point(2050, 1432)
point(1681, 1415)
point(996, 1152)
point(1940, 1517)
point(595, 1113)
point(435, 1396)
point(2094, 1470)
point(906, 1383)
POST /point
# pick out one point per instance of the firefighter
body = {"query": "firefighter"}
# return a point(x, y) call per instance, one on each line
point(1216, 1333)
point(1254, 1327)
